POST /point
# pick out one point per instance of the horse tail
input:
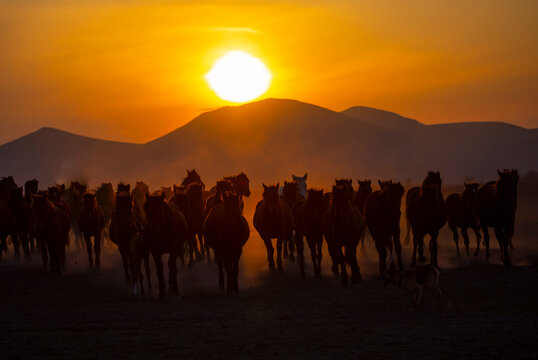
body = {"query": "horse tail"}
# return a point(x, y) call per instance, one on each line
point(407, 233)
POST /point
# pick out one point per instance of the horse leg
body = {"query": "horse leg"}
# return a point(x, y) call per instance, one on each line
point(88, 240)
point(477, 235)
point(486, 240)
point(192, 247)
point(300, 252)
point(124, 259)
point(137, 274)
point(25, 241)
point(270, 251)
point(200, 254)
point(313, 254)
point(319, 250)
point(465, 239)
point(421, 257)
point(148, 274)
point(382, 252)
point(333, 253)
point(97, 248)
point(343, 270)
point(351, 259)
point(398, 248)
point(456, 238)
point(235, 269)
point(221, 271)
point(415, 245)
point(172, 274)
point(291, 244)
point(16, 245)
point(285, 254)
point(279, 254)
point(433, 249)
point(44, 255)
point(230, 287)
point(160, 274)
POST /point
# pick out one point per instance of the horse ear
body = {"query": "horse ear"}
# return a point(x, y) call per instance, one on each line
point(264, 186)
point(278, 185)
point(499, 172)
point(305, 175)
point(379, 182)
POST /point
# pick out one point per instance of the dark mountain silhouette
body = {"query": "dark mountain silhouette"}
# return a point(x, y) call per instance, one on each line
point(272, 138)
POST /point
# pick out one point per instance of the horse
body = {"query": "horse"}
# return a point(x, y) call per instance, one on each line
point(192, 176)
point(21, 211)
point(241, 185)
point(497, 205)
point(130, 240)
point(73, 197)
point(426, 214)
point(139, 197)
point(226, 231)
point(50, 222)
point(7, 226)
point(181, 201)
point(167, 191)
point(30, 187)
point(343, 227)
point(105, 201)
point(313, 210)
point(293, 198)
point(92, 222)
point(194, 193)
point(273, 219)
point(123, 188)
point(462, 211)
point(365, 189)
point(382, 216)
point(216, 197)
point(167, 231)
point(301, 184)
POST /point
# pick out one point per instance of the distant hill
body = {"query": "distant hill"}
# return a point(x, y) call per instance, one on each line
point(272, 138)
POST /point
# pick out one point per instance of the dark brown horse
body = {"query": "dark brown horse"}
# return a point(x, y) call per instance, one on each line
point(382, 215)
point(73, 197)
point(313, 211)
point(131, 241)
point(181, 201)
point(226, 230)
point(50, 222)
point(293, 198)
point(216, 197)
point(462, 210)
point(426, 214)
point(365, 189)
point(91, 222)
point(21, 210)
point(497, 205)
point(105, 201)
point(343, 227)
point(273, 219)
point(167, 231)
point(192, 176)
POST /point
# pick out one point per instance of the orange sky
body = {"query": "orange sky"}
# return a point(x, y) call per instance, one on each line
point(134, 70)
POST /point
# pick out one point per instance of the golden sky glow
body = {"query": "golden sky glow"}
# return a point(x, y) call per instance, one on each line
point(134, 70)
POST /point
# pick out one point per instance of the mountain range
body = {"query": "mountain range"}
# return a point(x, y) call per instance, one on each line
point(272, 138)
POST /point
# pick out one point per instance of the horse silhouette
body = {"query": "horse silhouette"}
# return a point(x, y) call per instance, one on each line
point(192, 177)
point(73, 197)
point(167, 231)
point(130, 240)
point(426, 214)
point(497, 205)
point(273, 219)
point(364, 190)
point(216, 197)
point(7, 218)
point(123, 188)
point(105, 201)
point(182, 202)
point(343, 227)
point(226, 231)
point(31, 187)
point(92, 222)
point(301, 184)
point(295, 200)
point(50, 222)
point(21, 211)
point(382, 215)
point(462, 211)
point(313, 210)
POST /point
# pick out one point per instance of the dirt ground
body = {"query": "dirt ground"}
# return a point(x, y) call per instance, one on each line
point(489, 311)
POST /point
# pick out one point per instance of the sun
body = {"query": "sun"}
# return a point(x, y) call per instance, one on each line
point(239, 77)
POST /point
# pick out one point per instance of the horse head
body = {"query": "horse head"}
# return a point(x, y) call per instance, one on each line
point(301, 183)
point(270, 196)
point(232, 203)
point(315, 199)
point(31, 187)
point(365, 186)
point(54, 193)
point(154, 208)
point(290, 190)
point(433, 178)
point(384, 184)
point(89, 201)
point(241, 184)
point(507, 186)
point(124, 188)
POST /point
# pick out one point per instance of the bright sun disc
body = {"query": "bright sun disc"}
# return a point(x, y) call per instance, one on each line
point(239, 77)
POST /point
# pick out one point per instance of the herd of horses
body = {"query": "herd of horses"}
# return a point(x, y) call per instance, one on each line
point(188, 222)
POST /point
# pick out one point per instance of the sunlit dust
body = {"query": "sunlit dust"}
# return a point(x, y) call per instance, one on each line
point(239, 77)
